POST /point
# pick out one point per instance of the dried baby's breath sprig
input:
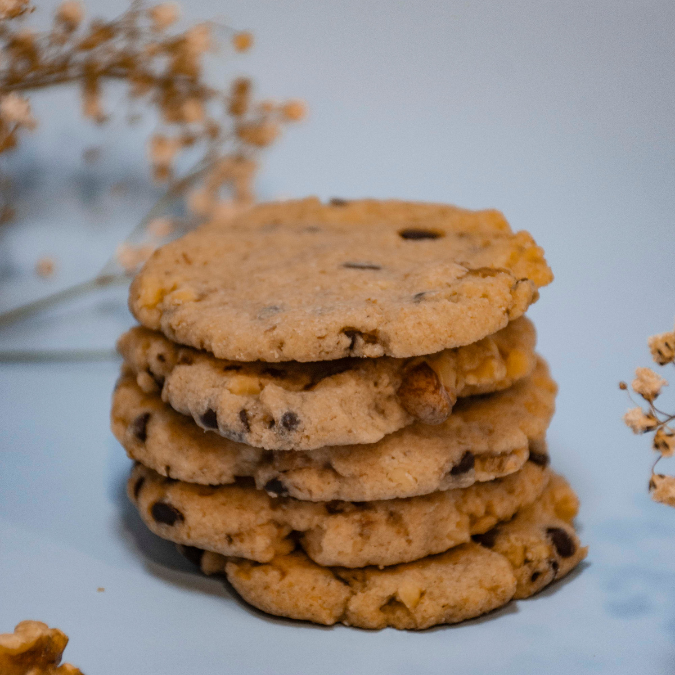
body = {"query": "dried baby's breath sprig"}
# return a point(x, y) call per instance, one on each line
point(226, 129)
point(648, 385)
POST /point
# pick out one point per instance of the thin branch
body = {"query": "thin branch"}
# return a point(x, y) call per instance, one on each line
point(107, 276)
point(47, 355)
point(69, 293)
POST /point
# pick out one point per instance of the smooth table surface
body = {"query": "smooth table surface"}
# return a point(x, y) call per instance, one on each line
point(66, 529)
point(561, 115)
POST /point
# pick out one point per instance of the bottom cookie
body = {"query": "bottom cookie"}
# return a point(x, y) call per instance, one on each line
point(513, 560)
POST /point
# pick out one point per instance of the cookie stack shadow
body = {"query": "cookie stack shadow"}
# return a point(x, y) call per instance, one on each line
point(340, 407)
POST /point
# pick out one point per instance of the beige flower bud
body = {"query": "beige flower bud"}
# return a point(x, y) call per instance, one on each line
point(15, 109)
point(242, 41)
point(662, 489)
point(639, 421)
point(162, 16)
point(662, 347)
point(647, 383)
point(294, 111)
point(70, 14)
point(664, 441)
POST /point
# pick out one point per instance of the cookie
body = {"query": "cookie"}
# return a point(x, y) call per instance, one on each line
point(487, 437)
point(34, 649)
point(462, 583)
point(303, 281)
point(302, 406)
point(540, 542)
point(238, 520)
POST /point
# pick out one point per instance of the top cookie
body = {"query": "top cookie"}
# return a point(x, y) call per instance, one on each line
point(304, 281)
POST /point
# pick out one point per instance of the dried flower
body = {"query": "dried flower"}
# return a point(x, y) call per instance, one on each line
point(70, 14)
point(198, 39)
point(45, 267)
point(662, 489)
point(662, 347)
point(164, 15)
point(160, 227)
point(15, 109)
point(259, 134)
point(664, 441)
point(242, 41)
point(200, 201)
point(11, 9)
point(193, 111)
point(132, 257)
point(162, 151)
point(240, 97)
point(639, 421)
point(294, 111)
point(648, 384)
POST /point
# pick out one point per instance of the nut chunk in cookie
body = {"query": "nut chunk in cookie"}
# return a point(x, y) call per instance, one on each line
point(34, 649)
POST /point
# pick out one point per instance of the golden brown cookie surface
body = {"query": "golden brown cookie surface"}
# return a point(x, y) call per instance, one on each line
point(302, 281)
point(487, 437)
point(537, 547)
point(303, 406)
point(238, 520)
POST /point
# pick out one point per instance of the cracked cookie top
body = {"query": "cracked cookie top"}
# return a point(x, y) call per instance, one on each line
point(304, 281)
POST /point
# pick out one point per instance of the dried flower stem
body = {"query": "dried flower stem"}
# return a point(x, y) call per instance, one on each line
point(648, 385)
point(107, 276)
point(50, 355)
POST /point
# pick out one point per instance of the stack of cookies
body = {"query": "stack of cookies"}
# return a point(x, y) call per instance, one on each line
point(339, 406)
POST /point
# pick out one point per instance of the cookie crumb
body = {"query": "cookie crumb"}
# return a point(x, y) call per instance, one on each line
point(100, 589)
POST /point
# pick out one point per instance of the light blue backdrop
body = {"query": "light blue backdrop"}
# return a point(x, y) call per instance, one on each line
point(559, 114)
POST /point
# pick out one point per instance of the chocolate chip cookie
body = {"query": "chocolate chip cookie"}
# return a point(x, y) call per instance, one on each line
point(239, 520)
point(302, 406)
point(305, 281)
point(486, 437)
point(538, 546)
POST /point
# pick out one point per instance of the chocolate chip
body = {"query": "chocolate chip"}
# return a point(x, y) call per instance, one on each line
point(290, 421)
point(415, 234)
point(209, 419)
point(467, 463)
point(243, 416)
point(274, 372)
point(488, 538)
point(539, 458)
point(419, 296)
point(336, 507)
point(361, 266)
point(562, 542)
point(276, 488)
point(193, 554)
point(139, 427)
point(267, 312)
point(165, 513)
point(354, 334)
point(138, 485)
point(338, 201)
point(535, 576)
